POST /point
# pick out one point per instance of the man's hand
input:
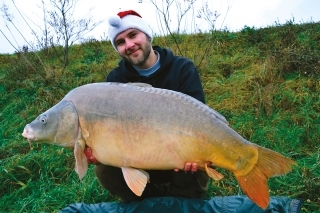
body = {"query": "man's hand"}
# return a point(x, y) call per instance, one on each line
point(91, 159)
point(191, 167)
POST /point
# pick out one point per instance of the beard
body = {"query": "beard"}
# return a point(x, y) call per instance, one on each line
point(146, 49)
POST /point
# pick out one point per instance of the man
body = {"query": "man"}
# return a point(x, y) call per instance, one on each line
point(131, 37)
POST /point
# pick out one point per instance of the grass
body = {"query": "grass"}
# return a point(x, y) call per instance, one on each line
point(265, 81)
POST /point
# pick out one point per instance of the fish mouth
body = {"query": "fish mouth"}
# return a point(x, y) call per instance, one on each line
point(27, 133)
point(30, 138)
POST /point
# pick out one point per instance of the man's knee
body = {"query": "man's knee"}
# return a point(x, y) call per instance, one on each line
point(111, 178)
point(189, 185)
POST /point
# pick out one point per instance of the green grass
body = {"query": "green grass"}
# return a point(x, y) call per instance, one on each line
point(265, 82)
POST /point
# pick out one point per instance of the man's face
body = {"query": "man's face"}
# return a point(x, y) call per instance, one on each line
point(134, 46)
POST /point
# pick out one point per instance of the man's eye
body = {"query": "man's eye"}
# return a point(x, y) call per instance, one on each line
point(119, 43)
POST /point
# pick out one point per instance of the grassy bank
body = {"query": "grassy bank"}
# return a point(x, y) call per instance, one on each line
point(265, 81)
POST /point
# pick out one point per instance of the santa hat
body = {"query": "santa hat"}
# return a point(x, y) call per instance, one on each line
point(127, 20)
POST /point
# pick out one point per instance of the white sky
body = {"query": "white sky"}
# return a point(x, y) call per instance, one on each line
point(252, 13)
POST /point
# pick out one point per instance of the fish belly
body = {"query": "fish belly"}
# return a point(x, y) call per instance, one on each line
point(145, 146)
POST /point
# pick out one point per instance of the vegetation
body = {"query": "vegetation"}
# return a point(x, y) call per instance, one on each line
point(265, 81)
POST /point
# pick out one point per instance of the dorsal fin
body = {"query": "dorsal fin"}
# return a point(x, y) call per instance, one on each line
point(139, 84)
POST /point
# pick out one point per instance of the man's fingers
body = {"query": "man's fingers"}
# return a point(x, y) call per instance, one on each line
point(187, 167)
point(194, 167)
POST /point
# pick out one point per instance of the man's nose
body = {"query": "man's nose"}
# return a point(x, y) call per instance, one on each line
point(129, 44)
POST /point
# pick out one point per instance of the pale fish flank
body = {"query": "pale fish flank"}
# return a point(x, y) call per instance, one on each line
point(137, 127)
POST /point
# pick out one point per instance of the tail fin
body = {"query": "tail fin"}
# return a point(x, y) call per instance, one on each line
point(255, 183)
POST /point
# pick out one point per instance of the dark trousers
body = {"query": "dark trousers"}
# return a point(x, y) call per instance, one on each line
point(162, 183)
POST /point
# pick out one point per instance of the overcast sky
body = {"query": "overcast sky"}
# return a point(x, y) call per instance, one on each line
point(235, 14)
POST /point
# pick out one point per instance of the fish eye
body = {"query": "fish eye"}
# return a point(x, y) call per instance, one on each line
point(43, 119)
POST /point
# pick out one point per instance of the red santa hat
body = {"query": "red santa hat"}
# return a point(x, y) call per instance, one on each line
point(126, 20)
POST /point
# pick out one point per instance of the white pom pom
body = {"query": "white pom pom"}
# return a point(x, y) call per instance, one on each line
point(114, 21)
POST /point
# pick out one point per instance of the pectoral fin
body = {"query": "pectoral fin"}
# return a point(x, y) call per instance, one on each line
point(213, 173)
point(81, 165)
point(136, 179)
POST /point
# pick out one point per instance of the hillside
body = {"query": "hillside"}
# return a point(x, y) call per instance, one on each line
point(266, 82)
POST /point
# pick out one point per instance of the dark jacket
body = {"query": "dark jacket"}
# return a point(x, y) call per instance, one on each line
point(176, 73)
